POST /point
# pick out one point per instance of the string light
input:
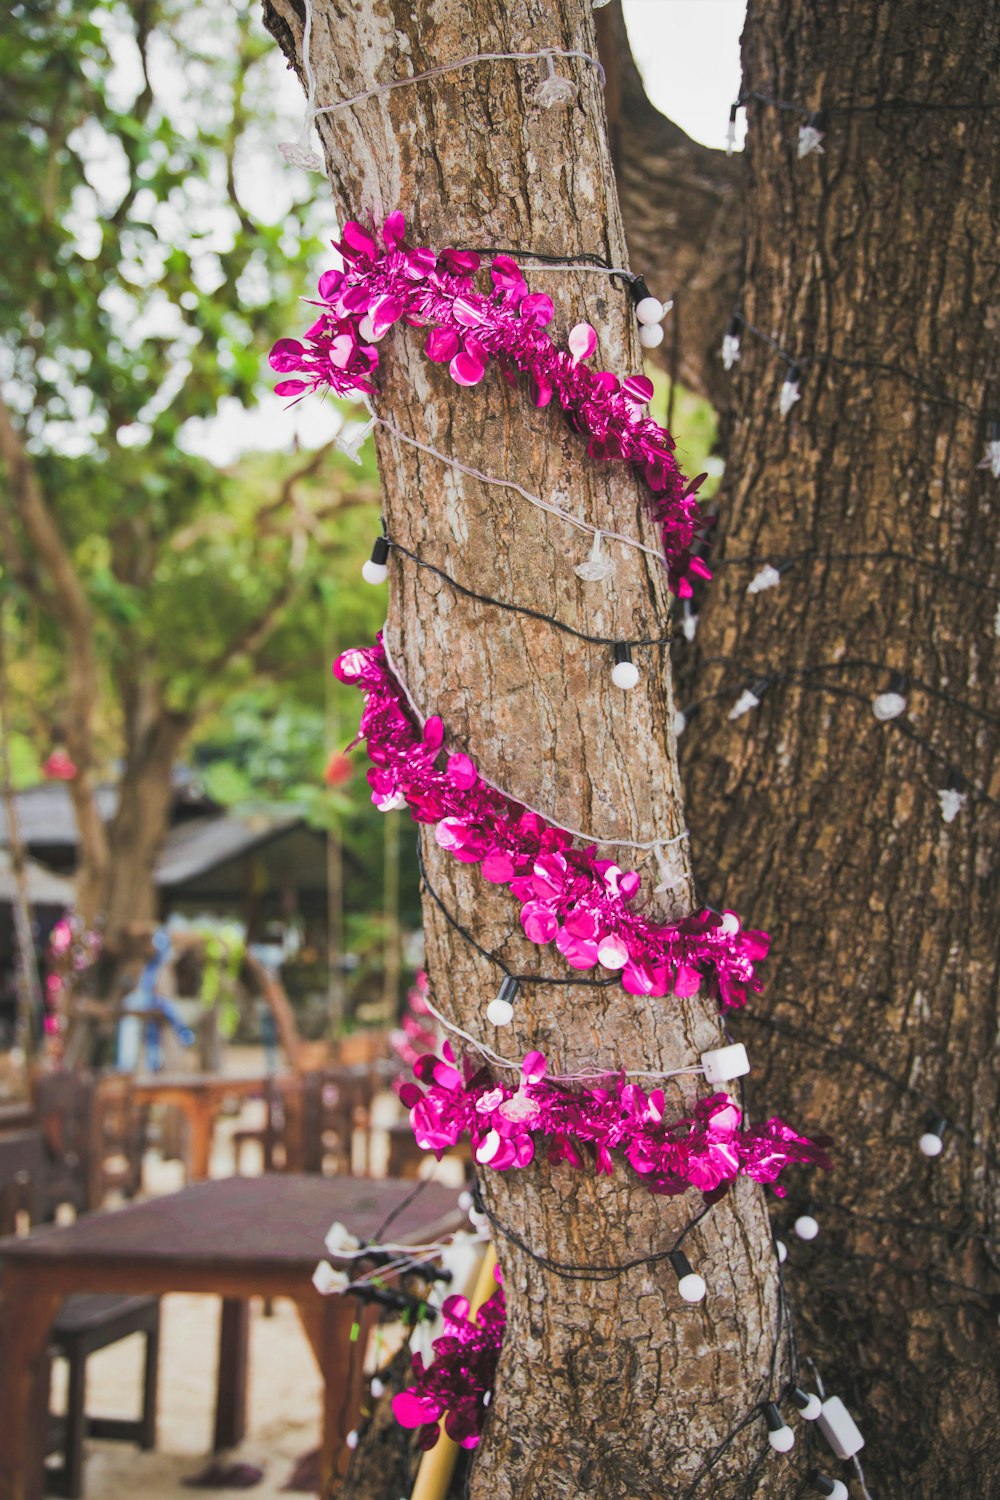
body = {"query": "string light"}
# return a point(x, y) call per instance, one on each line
point(384, 543)
point(931, 1142)
point(548, 506)
point(806, 1226)
point(992, 459)
point(790, 390)
point(651, 845)
point(780, 1436)
point(890, 704)
point(810, 138)
point(882, 554)
point(500, 1012)
point(544, 54)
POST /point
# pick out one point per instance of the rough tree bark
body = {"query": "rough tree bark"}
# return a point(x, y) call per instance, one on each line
point(879, 261)
point(613, 1389)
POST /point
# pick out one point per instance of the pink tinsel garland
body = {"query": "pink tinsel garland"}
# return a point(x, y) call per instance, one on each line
point(466, 329)
point(706, 1150)
point(457, 1384)
point(567, 894)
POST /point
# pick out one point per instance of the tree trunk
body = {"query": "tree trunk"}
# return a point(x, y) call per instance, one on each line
point(613, 1388)
point(878, 261)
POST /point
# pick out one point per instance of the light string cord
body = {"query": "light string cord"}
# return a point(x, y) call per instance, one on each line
point(797, 362)
point(542, 53)
point(900, 725)
point(815, 1039)
point(783, 561)
point(522, 609)
point(876, 107)
point(585, 261)
point(586, 1272)
point(494, 958)
point(856, 663)
point(587, 838)
point(594, 1074)
point(548, 506)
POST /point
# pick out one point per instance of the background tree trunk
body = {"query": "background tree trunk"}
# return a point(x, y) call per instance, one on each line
point(879, 261)
point(613, 1389)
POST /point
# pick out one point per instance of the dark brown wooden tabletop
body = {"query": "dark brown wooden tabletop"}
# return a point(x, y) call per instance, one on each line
point(280, 1219)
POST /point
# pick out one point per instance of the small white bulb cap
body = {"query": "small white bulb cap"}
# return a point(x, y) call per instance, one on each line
point(835, 1488)
point(649, 311)
point(891, 703)
point(690, 1285)
point(650, 335)
point(351, 1439)
point(839, 1428)
point(780, 1437)
point(500, 1012)
point(723, 1063)
point(782, 1250)
point(808, 1403)
point(377, 1387)
point(931, 1142)
point(806, 1227)
point(375, 570)
point(624, 673)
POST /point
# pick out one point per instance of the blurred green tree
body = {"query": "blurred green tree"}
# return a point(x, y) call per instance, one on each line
point(151, 255)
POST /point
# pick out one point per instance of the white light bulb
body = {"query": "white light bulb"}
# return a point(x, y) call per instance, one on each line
point(888, 706)
point(680, 722)
point(812, 1408)
point(692, 1288)
point(326, 1280)
point(952, 801)
point(554, 91)
point(788, 396)
point(767, 578)
point(730, 349)
point(782, 1250)
point(598, 565)
point(930, 1144)
point(689, 622)
point(465, 1202)
point(809, 141)
point(373, 572)
point(744, 703)
point(650, 335)
point(806, 1227)
point(992, 459)
point(351, 1440)
point(500, 1012)
point(782, 1439)
point(377, 1387)
point(839, 1491)
point(650, 310)
point(625, 674)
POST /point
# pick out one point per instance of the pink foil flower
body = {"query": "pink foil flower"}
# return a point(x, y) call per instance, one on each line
point(568, 895)
point(467, 329)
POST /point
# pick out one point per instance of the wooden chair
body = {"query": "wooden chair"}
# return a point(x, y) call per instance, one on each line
point(336, 1103)
point(84, 1324)
point(114, 1158)
point(64, 1104)
point(280, 1135)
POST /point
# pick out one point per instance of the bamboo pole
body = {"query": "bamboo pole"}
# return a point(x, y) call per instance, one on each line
point(438, 1465)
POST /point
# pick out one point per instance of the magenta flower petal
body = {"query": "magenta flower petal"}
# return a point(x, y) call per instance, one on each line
point(286, 355)
point(441, 344)
point(582, 341)
point(466, 369)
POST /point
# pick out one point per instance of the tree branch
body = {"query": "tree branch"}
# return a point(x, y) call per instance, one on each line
point(682, 204)
point(71, 608)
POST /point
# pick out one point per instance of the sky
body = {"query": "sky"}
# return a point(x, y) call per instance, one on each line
point(688, 56)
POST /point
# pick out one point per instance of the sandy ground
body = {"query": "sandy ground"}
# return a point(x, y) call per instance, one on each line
point(284, 1405)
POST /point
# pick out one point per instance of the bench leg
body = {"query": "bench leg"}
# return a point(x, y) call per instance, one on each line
point(76, 1424)
point(150, 1383)
point(231, 1394)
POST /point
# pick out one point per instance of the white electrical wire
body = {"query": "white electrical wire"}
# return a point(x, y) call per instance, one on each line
point(515, 1067)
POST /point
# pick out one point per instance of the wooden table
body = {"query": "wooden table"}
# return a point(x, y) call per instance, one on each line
point(236, 1238)
point(201, 1097)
